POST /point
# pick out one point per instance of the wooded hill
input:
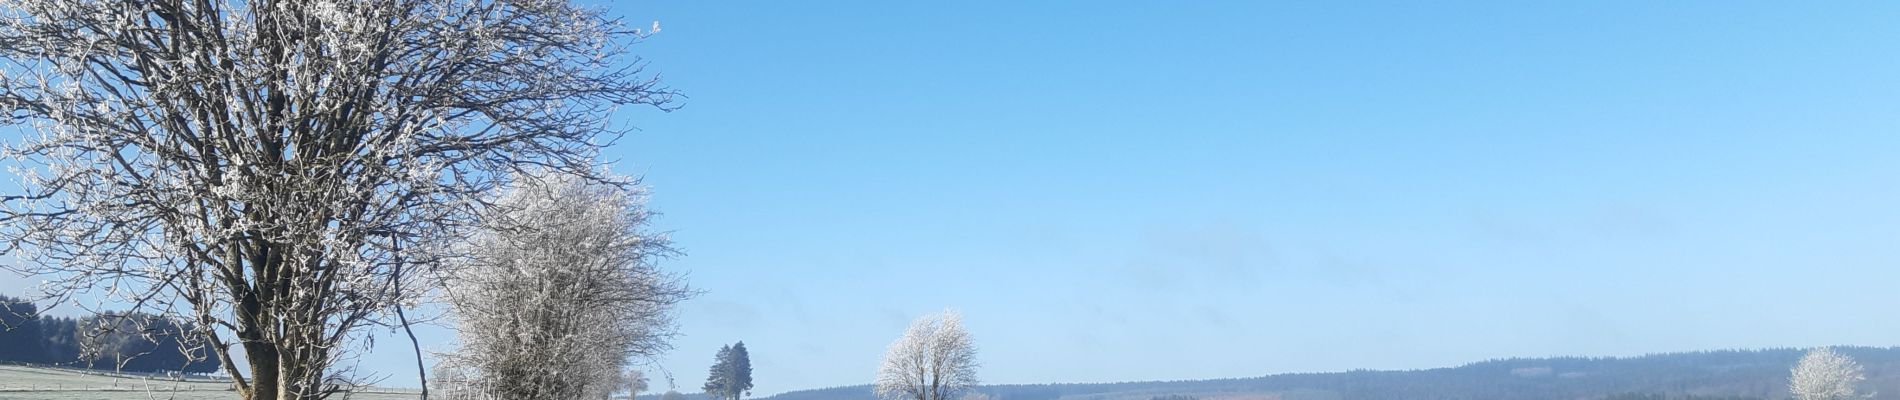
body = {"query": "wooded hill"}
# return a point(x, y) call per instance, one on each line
point(127, 342)
point(1727, 374)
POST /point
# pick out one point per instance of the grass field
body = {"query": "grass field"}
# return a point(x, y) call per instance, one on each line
point(32, 383)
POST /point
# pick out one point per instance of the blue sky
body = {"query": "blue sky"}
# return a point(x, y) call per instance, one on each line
point(1133, 190)
point(1114, 191)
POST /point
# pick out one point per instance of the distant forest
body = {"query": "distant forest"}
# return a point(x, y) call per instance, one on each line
point(1707, 375)
point(130, 342)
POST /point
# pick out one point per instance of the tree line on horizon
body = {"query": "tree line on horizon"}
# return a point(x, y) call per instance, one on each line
point(1723, 374)
point(125, 342)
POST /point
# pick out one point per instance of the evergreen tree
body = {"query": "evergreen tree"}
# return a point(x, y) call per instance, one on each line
point(20, 334)
point(59, 339)
point(740, 371)
point(136, 342)
point(140, 342)
point(731, 374)
point(716, 378)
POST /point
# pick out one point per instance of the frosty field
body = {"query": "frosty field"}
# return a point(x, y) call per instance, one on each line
point(29, 383)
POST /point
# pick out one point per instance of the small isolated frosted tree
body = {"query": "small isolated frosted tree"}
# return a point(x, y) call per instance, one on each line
point(562, 288)
point(1824, 374)
point(633, 382)
point(934, 360)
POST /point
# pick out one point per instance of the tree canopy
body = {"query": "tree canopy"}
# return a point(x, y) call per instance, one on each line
point(1824, 374)
point(730, 376)
point(562, 288)
point(934, 360)
point(285, 173)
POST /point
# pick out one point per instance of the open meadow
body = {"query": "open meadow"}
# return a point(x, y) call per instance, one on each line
point(34, 383)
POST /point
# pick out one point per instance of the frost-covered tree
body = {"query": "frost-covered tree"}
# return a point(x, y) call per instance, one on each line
point(935, 360)
point(1824, 374)
point(633, 382)
point(282, 173)
point(560, 290)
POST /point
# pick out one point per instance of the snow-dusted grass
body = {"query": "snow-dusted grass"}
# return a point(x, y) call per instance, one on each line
point(32, 383)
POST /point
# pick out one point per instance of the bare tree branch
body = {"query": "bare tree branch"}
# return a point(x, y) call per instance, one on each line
point(252, 164)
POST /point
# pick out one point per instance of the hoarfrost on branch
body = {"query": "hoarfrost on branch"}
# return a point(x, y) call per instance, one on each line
point(285, 173)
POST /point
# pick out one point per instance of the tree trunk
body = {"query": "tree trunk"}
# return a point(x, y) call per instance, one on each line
point(263, 360)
